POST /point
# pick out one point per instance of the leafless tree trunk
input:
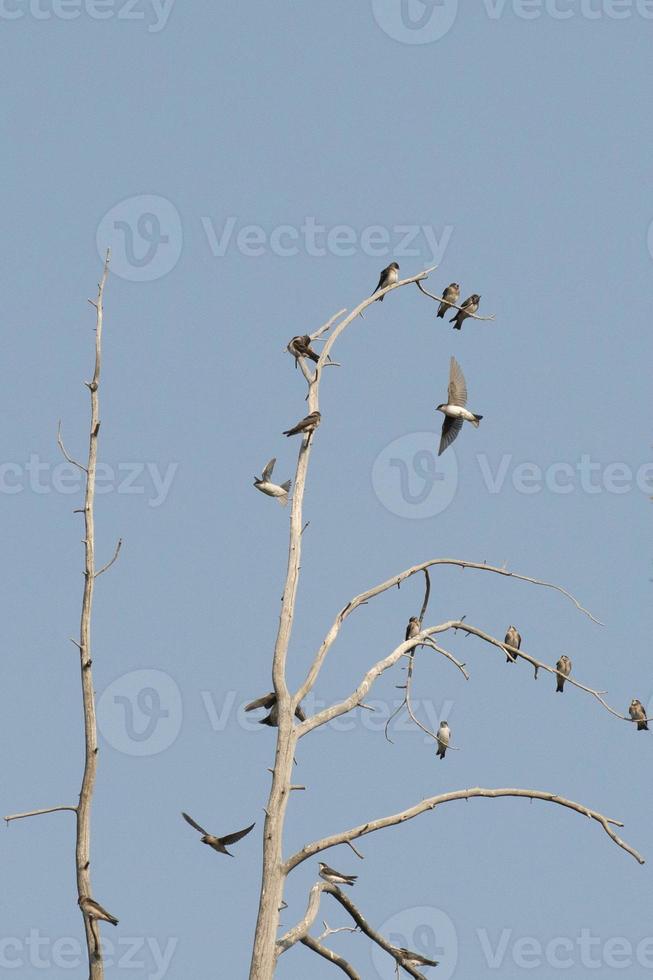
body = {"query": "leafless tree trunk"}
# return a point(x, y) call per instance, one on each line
point(267, 945)
point(83, 809)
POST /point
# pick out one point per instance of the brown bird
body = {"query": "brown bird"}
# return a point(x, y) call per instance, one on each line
point(413, 628)
point(335, 877)
point(450, 296)
point(93, 910)
point(513, 639)
point(637, 713)
point(563, 667)
point(388, 277)
point(269, 702)
point(301, 347)
point(218, 843)
point(307, 425)
point(469, 307)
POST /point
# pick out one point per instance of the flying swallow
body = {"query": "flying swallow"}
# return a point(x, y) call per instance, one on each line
point(470, 306)
point(334, 877)
point(266, 486)
point(513, 639)
point(217, 843)
point(301, 347)
point(269, 702)
point(306, 425)
point(637, 713)
point(93, 910)
point(444, 734)
point(388, 277)
point(563, 667)
point(449, 296)
point(414, 959)
point(453, 409)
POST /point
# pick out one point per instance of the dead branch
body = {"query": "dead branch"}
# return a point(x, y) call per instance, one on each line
point(38, 813)
point(396, 580)
point(105, 568)
point(464, 794)
point(427, 593)
point(332, 957)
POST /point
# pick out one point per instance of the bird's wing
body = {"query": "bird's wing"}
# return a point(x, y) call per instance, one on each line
point(450, 429)
point(193, 824)
point(457, 393)
point(265, 702)
point(232, 838)
point(267, 472)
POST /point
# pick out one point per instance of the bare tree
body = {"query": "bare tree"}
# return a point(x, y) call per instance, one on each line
point(268, 945)
point(91, 910)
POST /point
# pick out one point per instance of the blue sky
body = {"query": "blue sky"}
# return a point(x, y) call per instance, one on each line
point(253, 168)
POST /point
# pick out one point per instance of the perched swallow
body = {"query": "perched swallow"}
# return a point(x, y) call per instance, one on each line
point(414, 959)
point(453, 409)
point(449, 296)
point(563, 667)
point(301, 347)
point(266, 486)
point(389, 276)
point(334, 877)
point(637, 713)
point(306, 425)
point(413, 628)
point(444, 734)
point(269, 702)
point(217, 843)
point(513, 639)
point(93, 910)
point(468, 307)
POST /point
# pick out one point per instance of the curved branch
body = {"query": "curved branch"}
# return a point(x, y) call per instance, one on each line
point(396, 580)
point(464, 794)
point(427, 593)
point(297, 933)
point(441, 299)
point(332, 957)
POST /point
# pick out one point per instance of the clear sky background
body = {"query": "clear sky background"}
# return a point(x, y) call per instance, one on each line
point(522, 145)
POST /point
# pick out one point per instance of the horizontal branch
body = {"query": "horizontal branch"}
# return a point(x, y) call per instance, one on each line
point(464, 794)
point(38, 813)
point(441, 299)
point(396, 581)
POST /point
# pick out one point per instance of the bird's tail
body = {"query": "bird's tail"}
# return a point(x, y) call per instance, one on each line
point(560, 685)
point(457, 326)
point(350, 879)
point(441, 312)
point(642, 727)
point(284, 500)
point(290, 432)
point(476, 421)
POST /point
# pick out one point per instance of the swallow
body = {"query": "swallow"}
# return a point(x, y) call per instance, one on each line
point(269, 702)
point(453, 409)
point(388, 277)
point(334, 877)
point(413, 628)
point(266, 486)
point(470, 306)
point(93, 910)
point(301, 347)
point(414, 959)
point(513, 639)
point(444, 734)
point(450, 296)
point(218, 843)
point(637, 713)
point(563, 667)
point(307, 425)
